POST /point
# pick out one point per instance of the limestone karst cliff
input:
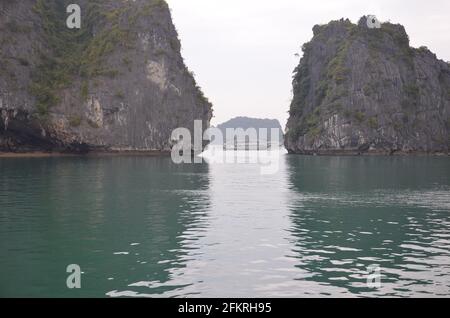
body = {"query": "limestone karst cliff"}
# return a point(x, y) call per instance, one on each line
point(118, 83)
point(365, 90)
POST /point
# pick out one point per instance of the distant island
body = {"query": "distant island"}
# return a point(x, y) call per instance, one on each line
point(360, 89)
point(246, 123)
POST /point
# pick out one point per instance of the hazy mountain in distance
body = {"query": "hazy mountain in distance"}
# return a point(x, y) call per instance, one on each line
point(248, 123)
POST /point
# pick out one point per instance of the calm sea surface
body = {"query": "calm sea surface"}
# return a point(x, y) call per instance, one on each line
point(146, 227)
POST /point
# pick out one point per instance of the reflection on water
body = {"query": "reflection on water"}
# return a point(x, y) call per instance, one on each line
point(120, 219)
point(146, 227)
point(350, 213)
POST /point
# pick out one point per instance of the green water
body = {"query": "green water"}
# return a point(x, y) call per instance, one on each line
point(146, 227)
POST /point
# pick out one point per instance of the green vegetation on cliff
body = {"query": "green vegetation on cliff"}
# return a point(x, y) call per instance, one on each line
point(80, 53)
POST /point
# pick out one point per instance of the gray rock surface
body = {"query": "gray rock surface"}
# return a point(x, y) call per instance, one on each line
point(119, 83)
point(360, 90)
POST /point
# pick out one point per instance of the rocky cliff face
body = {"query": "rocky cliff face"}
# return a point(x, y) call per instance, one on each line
point(359, 89)
point(118, 83)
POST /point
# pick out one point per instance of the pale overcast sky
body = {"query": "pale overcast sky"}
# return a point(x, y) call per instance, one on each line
point(242, 51)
